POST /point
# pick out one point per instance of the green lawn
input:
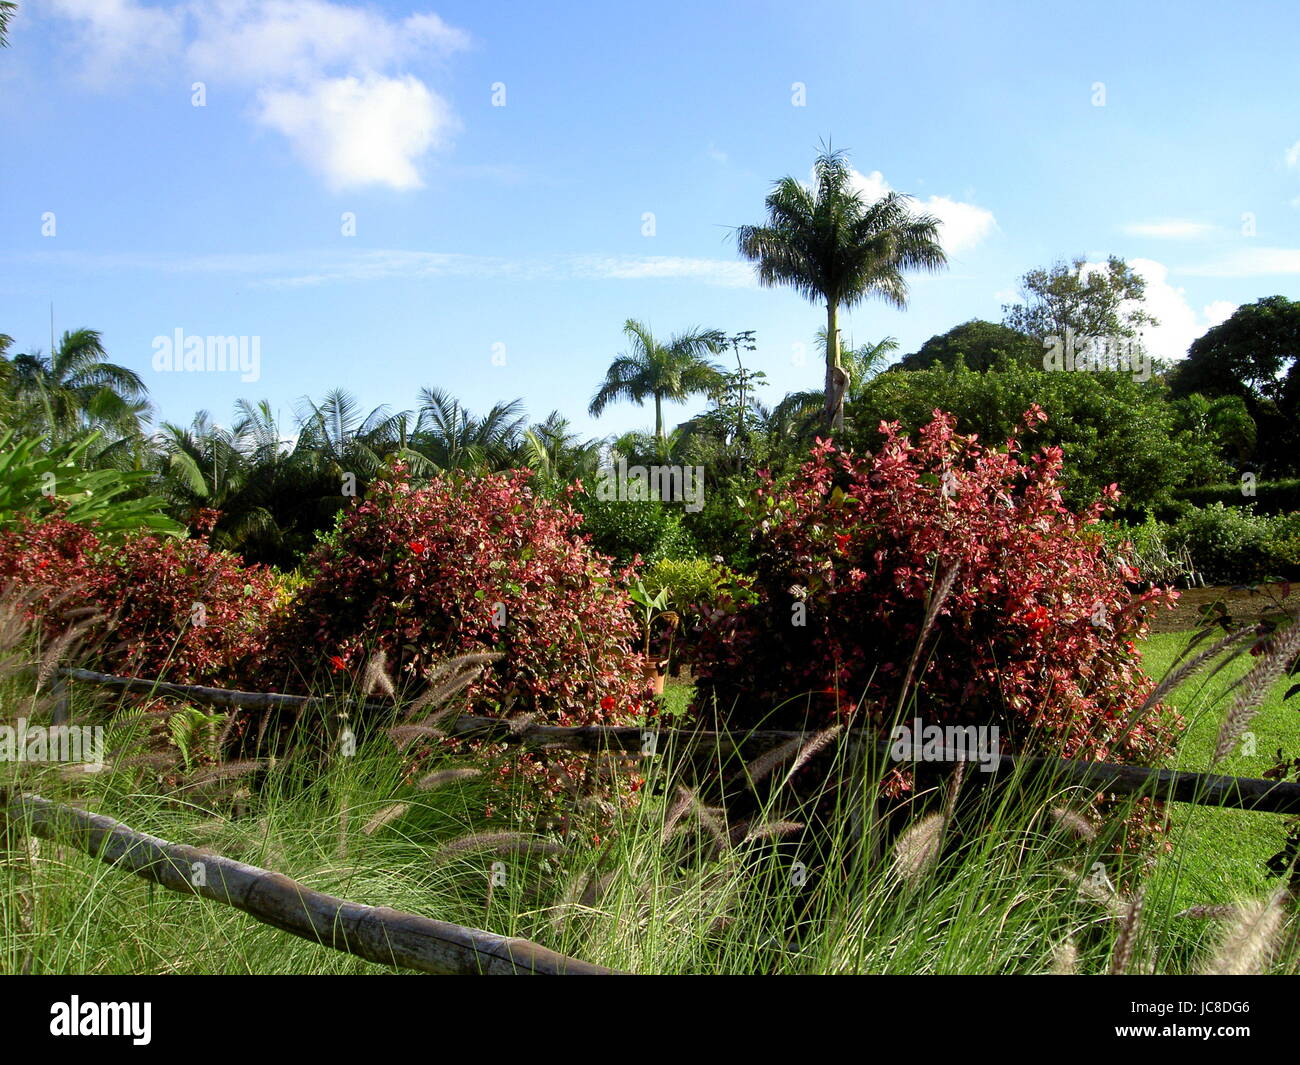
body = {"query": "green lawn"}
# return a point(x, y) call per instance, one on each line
point(1222, 852)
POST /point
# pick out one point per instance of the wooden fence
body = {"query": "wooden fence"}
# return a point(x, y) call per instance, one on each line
point(375, 933)
point(1168, 785)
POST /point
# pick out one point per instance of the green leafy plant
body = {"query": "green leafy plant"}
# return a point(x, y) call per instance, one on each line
point(34, 483)
point(651, 608)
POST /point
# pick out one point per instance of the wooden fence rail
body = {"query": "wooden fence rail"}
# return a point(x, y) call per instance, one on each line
point(1205, 789)
point(376, 933)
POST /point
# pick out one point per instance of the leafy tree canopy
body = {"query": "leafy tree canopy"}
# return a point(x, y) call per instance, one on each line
point(1252, 355)
point(982, 345)
point(1074, 297)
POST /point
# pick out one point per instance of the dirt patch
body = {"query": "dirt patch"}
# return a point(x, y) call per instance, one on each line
point(1243, 604)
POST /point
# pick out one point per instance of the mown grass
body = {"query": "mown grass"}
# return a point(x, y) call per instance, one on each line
point(1224, 851)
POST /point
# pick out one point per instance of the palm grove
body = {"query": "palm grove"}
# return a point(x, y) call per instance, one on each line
point(1177, 441)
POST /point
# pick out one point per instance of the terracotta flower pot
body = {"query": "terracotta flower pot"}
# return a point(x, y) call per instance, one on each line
point(654, 673)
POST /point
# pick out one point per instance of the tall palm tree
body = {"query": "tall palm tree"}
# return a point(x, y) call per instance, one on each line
point(830, 246)
point(674, 370)
point(77, 388)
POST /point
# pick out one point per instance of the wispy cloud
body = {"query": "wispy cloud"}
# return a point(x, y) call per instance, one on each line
point(1249, 262)
point(116, 38)
point(302, 269)
point(1170, 229)
point(1292, 155)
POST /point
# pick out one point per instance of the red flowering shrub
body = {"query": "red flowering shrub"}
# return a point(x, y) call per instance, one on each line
point(166, 607)
point(469, 565)
point(1035, 634)
point(463, 565)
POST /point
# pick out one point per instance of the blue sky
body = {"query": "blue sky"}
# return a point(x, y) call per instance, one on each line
point(1165, 133)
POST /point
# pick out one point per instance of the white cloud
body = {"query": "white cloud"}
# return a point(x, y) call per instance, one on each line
point(963, 225)
point(116, 38)
point(360, 132)
point(272, 41)
point(1175, 229)
point(331, 78)
point(1218, 312)
point(1179, 323)
point(1250, 262)
point(1293, 155)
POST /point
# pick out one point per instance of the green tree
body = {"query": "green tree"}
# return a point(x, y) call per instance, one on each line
point(652, 369)
point(982, 345)
point(801, 413)
point(1111, 427)
point(451, 437)
point(1252, 354)
point(1069, 298)
point(556, 455)
point(271, 496)
point(1225, 420)
point(831, 247)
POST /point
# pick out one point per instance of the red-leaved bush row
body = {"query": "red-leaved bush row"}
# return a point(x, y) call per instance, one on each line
point(466, 565)
point(150, 605)
point(1036, 633)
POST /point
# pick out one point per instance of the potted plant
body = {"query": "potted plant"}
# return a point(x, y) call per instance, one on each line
point(652, 609)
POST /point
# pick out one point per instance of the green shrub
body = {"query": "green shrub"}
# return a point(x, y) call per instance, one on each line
point(1112, 428)
point(720, 526)
point(1284, 546)
point(623, 529)
point(696, 589)
point(694, 584)
point(1226, 544)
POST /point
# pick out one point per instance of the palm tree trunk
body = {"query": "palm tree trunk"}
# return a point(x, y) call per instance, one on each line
point(659, 417)
point(834, 414)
